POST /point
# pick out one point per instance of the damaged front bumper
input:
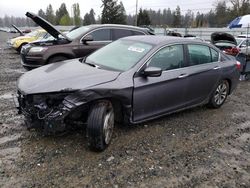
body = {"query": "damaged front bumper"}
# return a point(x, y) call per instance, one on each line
point(47, 112)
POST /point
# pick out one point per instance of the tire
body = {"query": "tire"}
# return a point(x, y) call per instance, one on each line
point(57, 59)
point(100, 126)
point(219, 95)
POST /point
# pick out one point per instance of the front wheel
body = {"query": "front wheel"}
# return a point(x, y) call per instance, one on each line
point(220, 94)
point(100, 125)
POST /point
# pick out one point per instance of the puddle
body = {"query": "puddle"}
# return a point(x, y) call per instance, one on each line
point(21, 71)
point(245, 125)
point(245, 137)
point(10, 138)
point(10, 153)
point(230, 151)
point(6, 96)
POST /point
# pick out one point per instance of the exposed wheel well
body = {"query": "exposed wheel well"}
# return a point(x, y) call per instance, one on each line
point(68, 56)
point(19, 48)
point(229, 83)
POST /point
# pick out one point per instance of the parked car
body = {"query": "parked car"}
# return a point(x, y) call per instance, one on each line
point(77, 43)
point(131, 80)
point(188, 36)
point(17, 30)
point(225, 42)
point(20, 41)
point(243, 45)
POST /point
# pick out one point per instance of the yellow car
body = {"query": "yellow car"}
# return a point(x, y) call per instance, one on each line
point(18, 42)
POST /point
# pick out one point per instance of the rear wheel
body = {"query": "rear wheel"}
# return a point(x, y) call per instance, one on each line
point(100, 125)
point(220, 94)
point(57, 58)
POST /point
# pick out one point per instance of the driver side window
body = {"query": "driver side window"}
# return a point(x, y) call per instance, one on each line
point(168, 58)
point(101, 35)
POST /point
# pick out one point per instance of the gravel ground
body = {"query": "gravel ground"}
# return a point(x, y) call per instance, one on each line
point(195, 148)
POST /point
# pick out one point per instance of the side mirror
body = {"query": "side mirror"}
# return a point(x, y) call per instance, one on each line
point(87, 39)
point(152, 72)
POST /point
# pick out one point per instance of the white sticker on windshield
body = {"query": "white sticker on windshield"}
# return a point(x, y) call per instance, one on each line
point(136, 49)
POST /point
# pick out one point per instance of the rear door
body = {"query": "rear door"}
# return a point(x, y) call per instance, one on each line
point(158, 95)
point(101, 37)
point(120, 33)
point(204, 72)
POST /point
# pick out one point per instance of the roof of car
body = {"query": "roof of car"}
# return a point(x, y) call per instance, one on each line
point(117, 25)
point(156, 40)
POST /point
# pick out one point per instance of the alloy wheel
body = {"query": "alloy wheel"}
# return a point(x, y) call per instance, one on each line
point(108, 125)
point(220, 93)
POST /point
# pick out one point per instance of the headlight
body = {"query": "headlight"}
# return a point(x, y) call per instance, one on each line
point(37, 49)
point(11, 42)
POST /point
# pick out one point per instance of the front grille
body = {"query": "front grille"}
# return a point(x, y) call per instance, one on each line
point(23, 58)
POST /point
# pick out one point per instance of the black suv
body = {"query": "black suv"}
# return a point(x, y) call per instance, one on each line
point(77, 43)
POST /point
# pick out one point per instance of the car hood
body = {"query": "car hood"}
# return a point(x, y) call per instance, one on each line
point(67, 75)
point(18, 30)
point(221, 37)
point(20, 38)
point(46, 25)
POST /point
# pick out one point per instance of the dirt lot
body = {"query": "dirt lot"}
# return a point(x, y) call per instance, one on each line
point(196, 148)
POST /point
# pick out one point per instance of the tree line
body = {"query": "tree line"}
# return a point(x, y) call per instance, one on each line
point(114, 12)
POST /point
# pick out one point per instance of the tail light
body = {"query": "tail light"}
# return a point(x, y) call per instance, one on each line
point(238, 65)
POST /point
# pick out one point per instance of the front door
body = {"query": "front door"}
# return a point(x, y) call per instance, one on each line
point(101, 37)
point(159, 95)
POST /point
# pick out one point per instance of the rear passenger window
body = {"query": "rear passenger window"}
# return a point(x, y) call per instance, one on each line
point(198, 54)
point(119, 33)
point(138, 33)
point(170, 57)
point(101, 35)
point(215, 55)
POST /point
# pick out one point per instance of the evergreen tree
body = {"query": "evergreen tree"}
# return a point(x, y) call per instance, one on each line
point(65, 20)
point(76, 17)
point(50, 16)
point(121, 14)
point(42, 14)
point(143, 18)
point(177, 17)
point(61, 12)
point(89, 18)
point(112, 12)
point(92, 16)
point(86, 19)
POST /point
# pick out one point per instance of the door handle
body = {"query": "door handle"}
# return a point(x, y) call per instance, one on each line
point(217, 67)
point(183, 76)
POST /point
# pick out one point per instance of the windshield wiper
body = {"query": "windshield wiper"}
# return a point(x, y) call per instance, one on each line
point(89, 63)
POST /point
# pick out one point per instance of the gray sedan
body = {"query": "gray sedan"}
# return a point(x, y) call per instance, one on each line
point(132, 80)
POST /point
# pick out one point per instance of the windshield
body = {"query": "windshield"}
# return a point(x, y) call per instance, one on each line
point(120, 55)
point(77, 32)
point(32, 34)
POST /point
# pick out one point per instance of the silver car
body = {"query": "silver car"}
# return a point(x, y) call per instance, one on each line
point(243, 44)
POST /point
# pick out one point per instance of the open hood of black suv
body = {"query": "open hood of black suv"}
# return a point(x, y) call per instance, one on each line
point(46, 25)
point(18, 30)
point(219, 37)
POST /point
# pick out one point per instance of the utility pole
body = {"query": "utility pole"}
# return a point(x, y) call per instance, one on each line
point(136, 13)
point(72, 13)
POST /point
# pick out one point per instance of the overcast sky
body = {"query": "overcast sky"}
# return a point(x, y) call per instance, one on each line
point(20, 7)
